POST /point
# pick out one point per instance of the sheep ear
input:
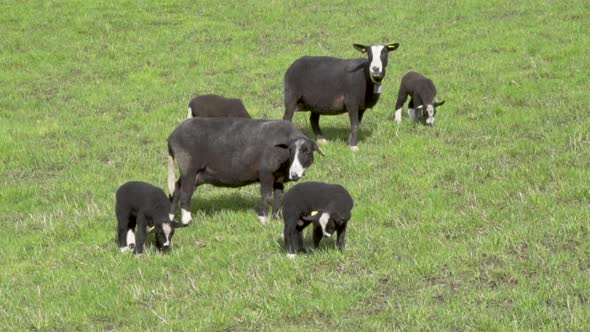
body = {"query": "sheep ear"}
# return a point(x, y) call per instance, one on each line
point(438, 103)
point(392, 47)
point(317, 149)
point(360, 48)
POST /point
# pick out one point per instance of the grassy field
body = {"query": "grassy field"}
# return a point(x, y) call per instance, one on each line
point(481, 223)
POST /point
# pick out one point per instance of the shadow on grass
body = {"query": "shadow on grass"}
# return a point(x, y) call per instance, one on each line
point(339, 134)
point(325, 243)
point(231, 201)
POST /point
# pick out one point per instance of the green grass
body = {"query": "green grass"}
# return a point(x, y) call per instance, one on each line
point(480, 223)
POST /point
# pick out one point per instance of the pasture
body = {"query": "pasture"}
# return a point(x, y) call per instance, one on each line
point(480, 223)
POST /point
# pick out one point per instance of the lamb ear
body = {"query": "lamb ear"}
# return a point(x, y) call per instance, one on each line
point(360, 48)
point(317, 149)
point(438, 103)
point(392, 47)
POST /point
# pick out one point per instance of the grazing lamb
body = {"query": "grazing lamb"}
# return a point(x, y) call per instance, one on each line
point(140, 205)
point(422, 106)
point(235, 152)
point(329, 86)
point(216, 106)
point(327, 206)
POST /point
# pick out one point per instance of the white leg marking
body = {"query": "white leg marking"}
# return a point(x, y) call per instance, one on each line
point(296, 170)
point(324, 218)
point(376, 66)
point(167, 230)
point(186, 216)
point(322, 141)
point(130, 238)
point(190, 113)
point(262, 220)
point(171, 216)
point(354, 148)
point(291, 256)
point(398, 116)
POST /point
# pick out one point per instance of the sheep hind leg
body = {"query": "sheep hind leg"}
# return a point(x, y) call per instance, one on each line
point(314, 119)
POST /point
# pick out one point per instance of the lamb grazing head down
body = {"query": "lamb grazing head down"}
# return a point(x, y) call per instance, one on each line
point(422, 92)
point(378, 56)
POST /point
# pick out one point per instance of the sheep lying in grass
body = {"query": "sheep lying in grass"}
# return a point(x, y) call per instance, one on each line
point(422, 92)
point(140, 206)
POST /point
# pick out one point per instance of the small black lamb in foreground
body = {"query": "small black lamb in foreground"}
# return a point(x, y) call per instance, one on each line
point(327, 206)
point(140, 205)
point(422, 93)
point(216, 106)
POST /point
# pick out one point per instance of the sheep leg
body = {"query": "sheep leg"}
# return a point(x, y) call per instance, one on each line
point(277, 199)
point(266, 188)
point(314, 119)
point(354, 127)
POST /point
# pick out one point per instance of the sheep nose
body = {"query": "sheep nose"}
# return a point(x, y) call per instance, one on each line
point(376, 69)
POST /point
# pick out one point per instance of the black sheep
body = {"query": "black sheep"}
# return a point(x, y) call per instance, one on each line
point(140, 206)
point(328, 86)
point(422, 92)
point(327, 206)
point(235, 152)
point(216, 106)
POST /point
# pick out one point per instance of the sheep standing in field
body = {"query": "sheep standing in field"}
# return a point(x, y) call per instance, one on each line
point(216, 106)
point(235, 152)
point(140, 206)
point(329, 86)
point(327, 206)
point(422, 92)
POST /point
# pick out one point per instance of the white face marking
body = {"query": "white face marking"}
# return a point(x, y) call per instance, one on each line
point(376, 64)
point(262, 220)
point(398, 116)
point(186, 216)
point(296, 170)
point(190, 113)
point(430, 112)
point(167, 230)
point(130, 238)
point(323, 222)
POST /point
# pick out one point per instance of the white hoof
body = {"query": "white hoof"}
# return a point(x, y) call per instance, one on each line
point(124, 249)
point(354, 148)
point(291, 256)
point(323, 141)
point(262, 220)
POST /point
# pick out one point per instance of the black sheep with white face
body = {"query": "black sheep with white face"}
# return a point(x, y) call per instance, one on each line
point(139, 207)
point(325, 85)
point(422, 92)
point(327, 206)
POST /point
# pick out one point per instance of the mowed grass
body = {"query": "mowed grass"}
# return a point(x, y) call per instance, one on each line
point(480, 223)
